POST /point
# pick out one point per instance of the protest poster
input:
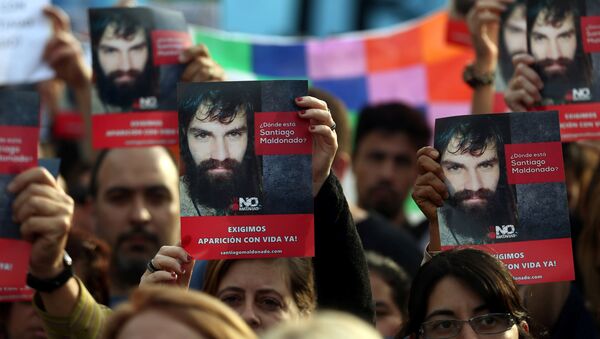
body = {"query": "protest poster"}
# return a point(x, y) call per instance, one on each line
point(24, 32)
point(562, 36)
point(135, 60)
point(457, 30)
point(505, 178)
point(246, 157)
point(19, 121)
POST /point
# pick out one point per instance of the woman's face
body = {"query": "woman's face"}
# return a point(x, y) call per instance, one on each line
point(451, 299)
point(259, 291)
point(156, 325)
point(388, 316)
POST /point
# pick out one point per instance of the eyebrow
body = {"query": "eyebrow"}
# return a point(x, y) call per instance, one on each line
point(238, 130)
point(491, 161)
point(120, 189)
point(451, 313)
point(104, 45)
point(452, 163)
point(241, 290)
point(569, 32)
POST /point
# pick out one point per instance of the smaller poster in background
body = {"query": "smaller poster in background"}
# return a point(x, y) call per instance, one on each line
point(567, 60)
point(135, 59)
point(505, 176)
point(24, 32)
point(19, 131)
point(457, 30)
point(246, 156)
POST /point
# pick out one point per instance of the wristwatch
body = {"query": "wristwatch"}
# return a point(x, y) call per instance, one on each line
point(475, 80)
point(49, 285)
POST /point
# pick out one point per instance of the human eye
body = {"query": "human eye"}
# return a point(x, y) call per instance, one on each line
point(231, 299)
point(441, 328)
point(270, 303)
point(118, 197)
point(235, 134)
point(492, 323)
point(537, 37)
point(201, 134)
point(108, 50)
point(157, 196)
point(452, 167)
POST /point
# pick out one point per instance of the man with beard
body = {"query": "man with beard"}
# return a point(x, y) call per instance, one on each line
point(472, 160)
point(135, 209)
point(123, 61)
point(384, 161)
point(554, 42)
point(216, 134)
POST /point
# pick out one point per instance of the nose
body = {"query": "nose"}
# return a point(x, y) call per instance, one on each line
point(467, 332)
point(473, 180)
point(126, 62)
point(250, 317)
point(553, 51)
point(139, 213)
point(386, 171)
point(220, 149)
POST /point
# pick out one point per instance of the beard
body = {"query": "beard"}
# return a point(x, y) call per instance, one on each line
point(561, 81)
point(383, 200)
point(130, 255)
point(458, 201)
point(124, 95)
point(219, 190)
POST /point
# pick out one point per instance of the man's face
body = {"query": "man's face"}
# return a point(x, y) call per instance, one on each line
point(515, 31)
point(553, 44)
point(385, 170)
point(137, 204)
point(122, 59)
point(217, 148)
point(472, 179)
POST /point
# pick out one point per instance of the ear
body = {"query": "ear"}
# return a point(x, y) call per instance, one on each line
point(341, 164)
point(524, 326)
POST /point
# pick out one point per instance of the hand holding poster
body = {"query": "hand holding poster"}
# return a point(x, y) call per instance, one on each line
point(246, 190)
point(24, 31)
point(505, 178)
point(19, 112)
point(135, 59)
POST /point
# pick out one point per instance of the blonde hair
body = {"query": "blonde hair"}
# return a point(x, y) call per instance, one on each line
point(325, 325)
point(199, 311)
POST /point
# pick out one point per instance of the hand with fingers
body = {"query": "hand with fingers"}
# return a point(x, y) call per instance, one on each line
point(524, 87)
point(322, 127)
point(430, 190)
point(63, 51)
point(200, 65)
point(44, 212)
point(170, 265)
point(483, 20)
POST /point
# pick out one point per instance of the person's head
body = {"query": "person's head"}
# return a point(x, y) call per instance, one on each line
point(168, 312)
point(513, 36)
point(263, 292)
point(122, 62)
point(462, 285)
point(390, 285)
point(135, 199)
point(18, 320)
point(387, 138)
point(216, 138)
point(325, 325)
point(339, 113)
point(471, 156)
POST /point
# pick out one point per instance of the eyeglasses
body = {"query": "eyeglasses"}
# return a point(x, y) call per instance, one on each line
point(492, 323)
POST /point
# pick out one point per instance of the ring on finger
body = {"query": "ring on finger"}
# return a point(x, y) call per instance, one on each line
point(333, 127)
point(150, 267)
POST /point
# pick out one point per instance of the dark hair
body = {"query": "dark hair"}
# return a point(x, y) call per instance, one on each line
point(481, 272)
point(392, 118)
point(462, 7)
point(505, 58)
point(393, 275)
point(127, 22)
point(475, 134)
point(300, 274)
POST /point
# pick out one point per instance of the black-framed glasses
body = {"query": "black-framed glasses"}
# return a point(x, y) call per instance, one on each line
point(492, 323)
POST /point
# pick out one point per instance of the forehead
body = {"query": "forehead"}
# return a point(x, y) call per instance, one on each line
point(543, 20)
point(517, 16)
point(137, 168)
point(455, 295)
point(389, 142)
point(201, 117)
point(453, 151)
point(258, 274)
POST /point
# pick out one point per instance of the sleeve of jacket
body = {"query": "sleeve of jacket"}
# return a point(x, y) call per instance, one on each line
point(341, 273)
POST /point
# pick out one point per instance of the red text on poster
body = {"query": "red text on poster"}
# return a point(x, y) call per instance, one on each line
point(534, 163)
point(135, 129)
point(277, 133)
point(167, 46)
point(590, 31)
point(252, 236)
point(18, 148)
point(577, 121)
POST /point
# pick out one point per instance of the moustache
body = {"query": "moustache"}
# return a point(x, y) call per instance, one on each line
point(132, 73)
point(229, 164)
point(137, 233)
point(483, 194)
point(562, 62)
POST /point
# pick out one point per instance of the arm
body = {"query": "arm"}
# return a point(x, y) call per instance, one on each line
point(341, 273)
point(45, 212)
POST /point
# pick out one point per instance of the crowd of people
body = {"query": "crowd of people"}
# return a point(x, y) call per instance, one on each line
point(106, 255)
